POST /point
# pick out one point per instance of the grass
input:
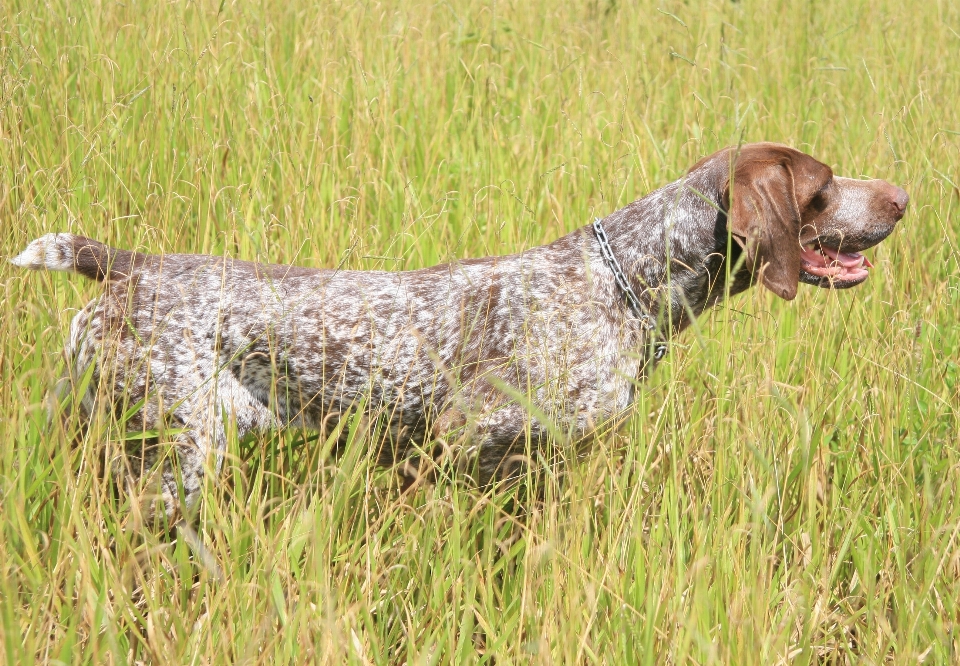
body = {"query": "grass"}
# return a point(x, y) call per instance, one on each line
point(785, 491)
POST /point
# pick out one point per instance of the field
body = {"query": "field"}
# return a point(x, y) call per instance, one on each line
point(786, 490)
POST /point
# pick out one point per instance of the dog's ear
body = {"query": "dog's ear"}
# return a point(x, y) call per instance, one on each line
point(771, 185)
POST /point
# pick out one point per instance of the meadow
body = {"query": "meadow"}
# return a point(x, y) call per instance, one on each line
point(786, 489)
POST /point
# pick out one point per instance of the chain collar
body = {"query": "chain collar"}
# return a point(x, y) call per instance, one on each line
point(649, 324)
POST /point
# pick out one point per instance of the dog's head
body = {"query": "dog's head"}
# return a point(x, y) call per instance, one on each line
point(797, 222)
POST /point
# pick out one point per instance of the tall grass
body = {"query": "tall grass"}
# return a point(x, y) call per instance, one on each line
point(787, 487)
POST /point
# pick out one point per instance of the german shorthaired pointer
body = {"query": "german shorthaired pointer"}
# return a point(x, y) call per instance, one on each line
point(484, 357)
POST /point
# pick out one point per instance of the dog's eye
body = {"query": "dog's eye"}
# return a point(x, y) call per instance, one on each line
point(818, 203)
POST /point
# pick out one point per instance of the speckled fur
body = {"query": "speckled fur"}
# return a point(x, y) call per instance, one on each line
point(205, 340)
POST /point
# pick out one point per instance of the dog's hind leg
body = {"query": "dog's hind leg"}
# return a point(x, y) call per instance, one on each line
point(201, 444)
point(176, 481)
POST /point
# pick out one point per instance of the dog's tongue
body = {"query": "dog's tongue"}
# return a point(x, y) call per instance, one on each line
point(851, 260)
point(830, 263)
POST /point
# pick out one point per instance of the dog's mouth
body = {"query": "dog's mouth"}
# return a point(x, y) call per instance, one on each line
point(829, 267)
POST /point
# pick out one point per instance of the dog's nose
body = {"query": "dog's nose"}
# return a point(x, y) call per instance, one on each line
point(899, 200)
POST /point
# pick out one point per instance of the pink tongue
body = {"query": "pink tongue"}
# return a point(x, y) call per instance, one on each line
point(843, 265)
point(851, 260)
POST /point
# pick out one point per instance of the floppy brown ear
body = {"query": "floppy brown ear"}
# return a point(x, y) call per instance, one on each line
point(764, 218)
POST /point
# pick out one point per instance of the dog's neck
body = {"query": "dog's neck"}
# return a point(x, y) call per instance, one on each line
point(673, 246)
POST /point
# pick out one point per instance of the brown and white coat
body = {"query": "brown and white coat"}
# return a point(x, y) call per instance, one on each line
point(495, 353)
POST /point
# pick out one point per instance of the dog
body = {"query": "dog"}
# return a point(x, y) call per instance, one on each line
point(498, 353)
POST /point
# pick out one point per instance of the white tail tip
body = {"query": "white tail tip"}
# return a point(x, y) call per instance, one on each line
point(52, 252)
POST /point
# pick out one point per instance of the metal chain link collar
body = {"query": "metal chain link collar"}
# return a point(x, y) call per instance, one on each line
point(648, 322)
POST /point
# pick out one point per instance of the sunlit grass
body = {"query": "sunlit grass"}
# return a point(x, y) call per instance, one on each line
point(786, 489)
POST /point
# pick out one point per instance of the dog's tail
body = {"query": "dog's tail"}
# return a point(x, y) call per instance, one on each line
point(76, 254)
